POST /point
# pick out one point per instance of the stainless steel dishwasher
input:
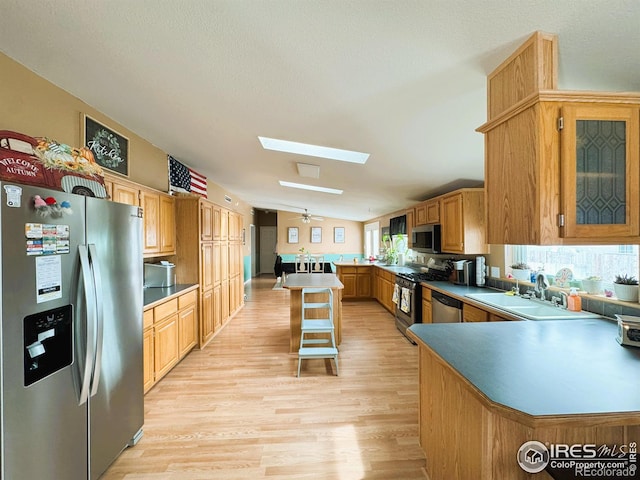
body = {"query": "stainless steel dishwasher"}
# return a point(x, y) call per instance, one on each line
point(445, 309)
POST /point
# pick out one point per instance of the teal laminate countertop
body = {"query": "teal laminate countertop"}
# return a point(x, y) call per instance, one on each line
point(542, 368)
point(154, 295)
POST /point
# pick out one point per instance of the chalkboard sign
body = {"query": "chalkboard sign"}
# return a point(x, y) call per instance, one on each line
point(110, 149)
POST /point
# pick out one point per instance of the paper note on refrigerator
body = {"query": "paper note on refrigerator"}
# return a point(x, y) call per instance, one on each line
point(48, 278)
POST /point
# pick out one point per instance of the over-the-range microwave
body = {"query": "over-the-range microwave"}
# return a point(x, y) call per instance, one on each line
point(426, 238)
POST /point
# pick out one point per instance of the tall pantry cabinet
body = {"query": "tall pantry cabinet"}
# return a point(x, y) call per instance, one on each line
point(209, 252)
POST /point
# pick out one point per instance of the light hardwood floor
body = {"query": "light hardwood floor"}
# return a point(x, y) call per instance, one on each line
point(236, 409)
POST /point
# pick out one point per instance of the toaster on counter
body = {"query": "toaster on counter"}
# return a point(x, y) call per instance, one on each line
point(628, 330)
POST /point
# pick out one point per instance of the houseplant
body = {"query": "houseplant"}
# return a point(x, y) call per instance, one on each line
point(592, 285)
point(391, 247)
point(626, 288)
point(521, 271)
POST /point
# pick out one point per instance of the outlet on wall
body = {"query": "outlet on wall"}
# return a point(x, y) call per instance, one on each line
point(495, 272)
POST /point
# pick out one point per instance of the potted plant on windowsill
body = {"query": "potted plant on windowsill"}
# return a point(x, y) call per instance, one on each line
point(521, 271)
point(393, 248)
point(626, 288)
point(592, 285)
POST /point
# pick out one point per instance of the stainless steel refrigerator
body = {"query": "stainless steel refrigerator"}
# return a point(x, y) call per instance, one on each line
point(71, 396)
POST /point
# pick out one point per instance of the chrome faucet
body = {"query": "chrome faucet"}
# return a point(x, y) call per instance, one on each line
point(560, 301)
point(541, 285)
point(565, 299)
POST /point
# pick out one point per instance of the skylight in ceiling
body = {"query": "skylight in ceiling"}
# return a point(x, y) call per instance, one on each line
point(313, 150)
point(302, 186)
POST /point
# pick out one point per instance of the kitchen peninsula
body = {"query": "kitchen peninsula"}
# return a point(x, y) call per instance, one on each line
point(487, 388)
point(295, 282)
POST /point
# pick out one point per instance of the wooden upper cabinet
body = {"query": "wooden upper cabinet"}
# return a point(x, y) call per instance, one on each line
point(150, 203)
point(159, 226)
point(452, 233)
point(600, 149)
point(529, 69)
point(432, 210)
point(158, 210)
point(122, 193)
point(564, 169)
point(421, 214)
point(167, 225)
point(561, 167)
point(462, 222)
point(428, 212)
point(235, 226)
point(217, 264)
point(224, 224)
point(217, 223)
point(206, 222)
point(207, 266)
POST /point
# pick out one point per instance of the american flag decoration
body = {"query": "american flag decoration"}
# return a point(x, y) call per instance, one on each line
point(184, 179)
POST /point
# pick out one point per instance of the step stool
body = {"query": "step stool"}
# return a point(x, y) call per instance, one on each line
point(324, 324)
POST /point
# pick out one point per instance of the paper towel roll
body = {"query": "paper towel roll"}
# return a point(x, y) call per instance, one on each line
point(480, 271)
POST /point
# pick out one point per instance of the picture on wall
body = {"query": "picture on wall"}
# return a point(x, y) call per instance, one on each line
point(292, 233)
point(338, 235)
point(110, 149)
point(316, 234)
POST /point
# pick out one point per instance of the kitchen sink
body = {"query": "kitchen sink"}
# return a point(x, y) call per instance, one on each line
point(528, 308)
point(500, 299)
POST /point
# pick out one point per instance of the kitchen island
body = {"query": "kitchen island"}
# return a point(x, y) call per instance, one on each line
point(487, 388)
point(295, 283)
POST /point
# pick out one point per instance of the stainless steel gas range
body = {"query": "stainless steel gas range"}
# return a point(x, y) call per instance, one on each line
point(408, 297)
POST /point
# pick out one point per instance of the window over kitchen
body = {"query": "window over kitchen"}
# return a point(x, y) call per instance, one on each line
point(604, 261)
point(371, 239)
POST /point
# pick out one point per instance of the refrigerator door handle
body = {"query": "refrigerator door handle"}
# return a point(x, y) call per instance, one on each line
point(95, 270)
point(90, 301)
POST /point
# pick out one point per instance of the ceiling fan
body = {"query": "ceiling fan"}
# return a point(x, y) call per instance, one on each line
point(306, 217)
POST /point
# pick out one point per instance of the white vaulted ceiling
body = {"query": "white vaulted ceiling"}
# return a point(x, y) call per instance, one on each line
point(404, 81)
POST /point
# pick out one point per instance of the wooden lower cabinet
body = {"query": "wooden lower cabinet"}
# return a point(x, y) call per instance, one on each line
point(170, 331)
point(385, 282)
point(148, 359)
point(474, 314)
point(356, 281)
point(165, 345)
point(224, 303)
point(427, 315)
point(217, 312)
point(187, 323)
point(498, 318)
point(471, 313)
point(207, 317)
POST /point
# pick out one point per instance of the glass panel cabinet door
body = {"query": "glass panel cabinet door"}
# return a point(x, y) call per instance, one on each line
point(599, 167)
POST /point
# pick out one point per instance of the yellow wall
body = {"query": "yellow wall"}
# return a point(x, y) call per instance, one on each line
point(353, 243)
point(36, 107)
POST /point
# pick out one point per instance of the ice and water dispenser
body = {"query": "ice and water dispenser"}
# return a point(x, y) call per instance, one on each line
point(48, 343)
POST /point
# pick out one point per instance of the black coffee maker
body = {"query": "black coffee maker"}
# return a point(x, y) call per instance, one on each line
point(464, 272)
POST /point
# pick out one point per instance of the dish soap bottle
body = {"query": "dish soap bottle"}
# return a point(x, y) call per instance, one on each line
point(574, 302)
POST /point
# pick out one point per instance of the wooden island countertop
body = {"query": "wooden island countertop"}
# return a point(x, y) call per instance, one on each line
point(295, 282)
